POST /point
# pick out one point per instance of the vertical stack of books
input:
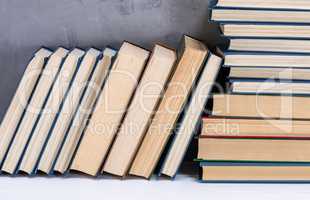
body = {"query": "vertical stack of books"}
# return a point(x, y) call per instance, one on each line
point(259, 129)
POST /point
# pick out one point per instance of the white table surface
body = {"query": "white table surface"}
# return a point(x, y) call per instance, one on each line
point(184, 187)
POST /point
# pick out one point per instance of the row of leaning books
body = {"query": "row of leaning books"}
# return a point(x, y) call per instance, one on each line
point(107, 111)
point(259, 128)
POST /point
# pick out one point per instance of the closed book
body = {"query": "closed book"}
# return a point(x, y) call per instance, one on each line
point(58, 92)
point(33, 111)
point(254, 128)
point(254, 150)
point(190, 64)
point(243, 172)
point(66, 113)
point(21, 98)
point(261, 106)
point(269, 4)
point(253, 30)
point(228, 15)
point(79, 122)
point(249, 86)
point(140, 113)
point(192, 115)
point(259, 59)
point(269, 45)
point(273, 73)
point(110, 109)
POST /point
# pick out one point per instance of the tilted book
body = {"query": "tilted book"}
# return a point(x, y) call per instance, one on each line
point(79, 122)
point(190, 64)
point(140, 113)
point(192, 115)
point(65, 115)
point(57, 94)
point(33, 110)
point(21, 98)
point(110, 109)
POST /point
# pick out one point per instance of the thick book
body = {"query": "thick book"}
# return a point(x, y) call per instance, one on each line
point(192, 116)
point(190, 64)
point(253, 30)
point(110, 109)
point(58, 92)
point(243, 172)
point(250, 86)
point(157, 73)
point(254, 128)
point(21, 98)
point(268, 4)
point(235, 15)
point(262, 59)
point(269, 45)
point(33, 111)
point(271, 73)
point(261, 106)
point(257, 150)
point(66, 113)
point(79, 122)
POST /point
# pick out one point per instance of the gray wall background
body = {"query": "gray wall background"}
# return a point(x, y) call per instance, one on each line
point(27, 25)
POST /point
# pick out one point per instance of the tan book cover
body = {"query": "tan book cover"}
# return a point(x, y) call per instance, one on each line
point(192, 116)
point(253, 150)
point(70, 104)
point(144, 104)
point(269, 173)
point(261, 106)
point(255, 128)
point(173, 102)
point(19, 102)
point(80, 119)
point(256, 16)
point(110, 109)
point(51, 108)
point(269, 45)
point(33, 110)
point(266, 31)
point(270, 73)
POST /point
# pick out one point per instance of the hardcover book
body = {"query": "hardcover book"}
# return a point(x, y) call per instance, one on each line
point(274, 73)
point(257, 59)
point(192, 116)
point(243, 172)
point(254, 128)
point(79, 122)
point(21, 98)
point(254, 150)
point(268, 4)
point(261, 106)
point(190, 64)
point(288, 87)
point(66, 113)
point(110, 109)
point(157, 73)
point(269, 45)
point(45, 122)
point(33, 111)
point(252, 30)
point(235, 15)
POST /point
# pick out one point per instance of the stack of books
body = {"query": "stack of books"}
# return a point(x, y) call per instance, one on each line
point(106, 111)
point(259, 129)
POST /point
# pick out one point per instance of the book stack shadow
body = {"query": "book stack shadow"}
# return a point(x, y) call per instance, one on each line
point(259, 129)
